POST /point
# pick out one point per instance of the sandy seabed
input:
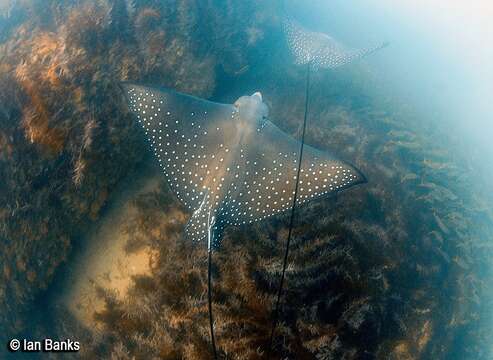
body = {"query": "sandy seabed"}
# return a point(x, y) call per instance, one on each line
point(105, 262)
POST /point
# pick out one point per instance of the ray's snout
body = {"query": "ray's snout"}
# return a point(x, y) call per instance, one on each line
point(252, 108)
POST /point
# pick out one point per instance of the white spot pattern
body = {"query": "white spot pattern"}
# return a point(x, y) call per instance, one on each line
point(220, 164)
point(321, 50)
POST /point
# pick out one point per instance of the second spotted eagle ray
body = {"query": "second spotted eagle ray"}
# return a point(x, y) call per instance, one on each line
point(229, 164)
point(321, 50)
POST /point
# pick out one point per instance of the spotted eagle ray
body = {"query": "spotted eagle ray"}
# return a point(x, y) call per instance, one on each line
point(319, 51)
point(229, 164)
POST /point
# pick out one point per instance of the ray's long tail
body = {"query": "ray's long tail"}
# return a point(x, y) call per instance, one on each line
point(209, 299)
point(293, 208)
point(209, 283)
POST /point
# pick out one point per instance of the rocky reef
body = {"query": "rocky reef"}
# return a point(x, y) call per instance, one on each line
point(392, 270)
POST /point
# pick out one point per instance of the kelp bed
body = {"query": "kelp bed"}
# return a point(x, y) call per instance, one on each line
point(395, 269)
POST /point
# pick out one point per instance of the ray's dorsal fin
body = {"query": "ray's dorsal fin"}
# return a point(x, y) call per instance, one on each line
point(198, 224)
point(203, 224)
point(319, 49)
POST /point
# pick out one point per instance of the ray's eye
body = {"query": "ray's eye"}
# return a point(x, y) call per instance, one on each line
point(262, 123)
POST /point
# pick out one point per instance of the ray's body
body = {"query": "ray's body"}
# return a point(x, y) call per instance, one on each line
point(319, 50)
point(229, 165)
point(230, 161)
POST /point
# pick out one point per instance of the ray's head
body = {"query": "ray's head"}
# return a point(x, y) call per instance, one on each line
point(252, 110)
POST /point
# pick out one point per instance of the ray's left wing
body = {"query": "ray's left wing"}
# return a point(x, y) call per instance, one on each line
point(269, 167)
point(192, 139)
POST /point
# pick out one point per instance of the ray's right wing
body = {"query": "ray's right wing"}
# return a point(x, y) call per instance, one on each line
point(269, 167)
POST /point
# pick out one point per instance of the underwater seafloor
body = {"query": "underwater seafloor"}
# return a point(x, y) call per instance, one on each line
point(91, 237)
